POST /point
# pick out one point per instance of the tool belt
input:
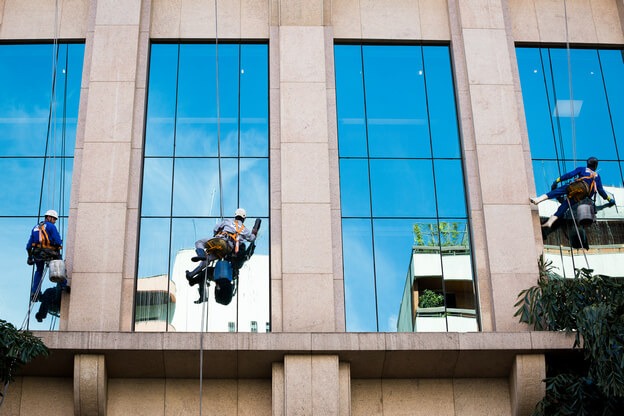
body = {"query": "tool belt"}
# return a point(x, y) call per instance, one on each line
point(578, 190)
point(218, 246)
point(45, 254)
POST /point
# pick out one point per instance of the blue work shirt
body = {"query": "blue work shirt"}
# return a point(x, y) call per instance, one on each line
point(44, 235)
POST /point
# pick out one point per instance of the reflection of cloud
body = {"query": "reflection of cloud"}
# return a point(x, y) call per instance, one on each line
point(392, 322)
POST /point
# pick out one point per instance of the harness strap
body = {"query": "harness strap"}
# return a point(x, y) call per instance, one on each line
point(234, 236)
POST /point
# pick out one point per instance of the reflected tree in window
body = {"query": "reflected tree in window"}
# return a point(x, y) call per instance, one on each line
point(404, 217)
point(205, 156)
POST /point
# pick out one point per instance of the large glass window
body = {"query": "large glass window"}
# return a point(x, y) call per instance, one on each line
point(574, 101)
point(206, 154)
point(406, 247)
point(40, 91)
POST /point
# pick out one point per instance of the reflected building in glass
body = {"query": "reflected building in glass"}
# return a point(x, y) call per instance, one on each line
point(390, 150)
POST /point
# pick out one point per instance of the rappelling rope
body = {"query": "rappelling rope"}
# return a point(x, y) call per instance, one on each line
point(205, 309)
point(573, 126)
point(51, 131)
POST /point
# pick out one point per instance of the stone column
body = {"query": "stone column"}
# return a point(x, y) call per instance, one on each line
point(104, 192)
point(90, 385)
point(497, 158)
point(526, 386)
point(307, 274)
point(311, 385)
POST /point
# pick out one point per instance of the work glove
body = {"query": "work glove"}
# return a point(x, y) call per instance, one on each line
point(30, 261)
point(611, 200)
point(554, 186)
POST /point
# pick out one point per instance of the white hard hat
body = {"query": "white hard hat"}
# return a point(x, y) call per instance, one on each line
point(51, 213)
point(241, 213)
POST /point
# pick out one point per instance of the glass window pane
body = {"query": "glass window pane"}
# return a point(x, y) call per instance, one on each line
point(202, 178)
point(402, 188)
point(254, 109)
point(396, 108)
point(354, 186)
point(254, 194)
point(449, 183)
point(157, 178)
point(393, 247)
point(417, 218)
point(612, 64)
point(360, 296)
point(584, 122)
point(350, 101)
point(37, 139)
point(161, 100)
point(441, 101)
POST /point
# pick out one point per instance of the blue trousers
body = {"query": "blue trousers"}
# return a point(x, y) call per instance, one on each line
point(565, 205)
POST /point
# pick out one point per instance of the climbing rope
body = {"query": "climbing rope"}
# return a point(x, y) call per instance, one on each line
point(205, 308)
point(51, 154)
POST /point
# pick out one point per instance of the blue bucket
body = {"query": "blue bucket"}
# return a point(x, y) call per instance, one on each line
point(223, 270)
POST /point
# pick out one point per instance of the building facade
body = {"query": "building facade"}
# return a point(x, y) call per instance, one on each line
point(354, 129)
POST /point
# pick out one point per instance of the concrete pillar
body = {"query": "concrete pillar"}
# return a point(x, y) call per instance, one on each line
point(499, 172)
point(526, 383)
point(103, 214)
point(306, 249)
point(90, 385)
point(311, 385)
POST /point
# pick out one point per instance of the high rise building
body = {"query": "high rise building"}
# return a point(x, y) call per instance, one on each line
point(389, 148)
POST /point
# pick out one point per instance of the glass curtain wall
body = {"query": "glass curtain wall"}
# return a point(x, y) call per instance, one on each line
point(406, 246)
point(40, 92)
point(206, 154)
point(574, 101)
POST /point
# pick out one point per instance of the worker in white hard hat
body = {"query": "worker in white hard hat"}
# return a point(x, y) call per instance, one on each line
point(45, 243)
point(226, 242)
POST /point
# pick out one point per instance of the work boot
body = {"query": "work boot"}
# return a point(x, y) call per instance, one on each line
point(201, 255)
point(550, 221)
point(203, 296)
point(536, 200)
point(39, 317)
point(193, 277)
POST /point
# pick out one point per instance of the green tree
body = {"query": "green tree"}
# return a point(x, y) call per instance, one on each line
point(430, 299)
point(17, 348)
point(591, 306)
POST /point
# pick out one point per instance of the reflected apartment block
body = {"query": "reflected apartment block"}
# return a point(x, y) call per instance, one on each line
point(447, 272)
point(341, 124)
point(155, 312)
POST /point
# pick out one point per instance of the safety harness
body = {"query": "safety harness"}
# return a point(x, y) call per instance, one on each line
point(579, 189)
point(234, 236)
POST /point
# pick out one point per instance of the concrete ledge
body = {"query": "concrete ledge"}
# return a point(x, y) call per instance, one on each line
point(247, 355)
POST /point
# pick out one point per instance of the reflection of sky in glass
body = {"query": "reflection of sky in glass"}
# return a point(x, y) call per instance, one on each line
point(37, 183)
point(196, 145)
point(559, 142)
point(399, 165)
